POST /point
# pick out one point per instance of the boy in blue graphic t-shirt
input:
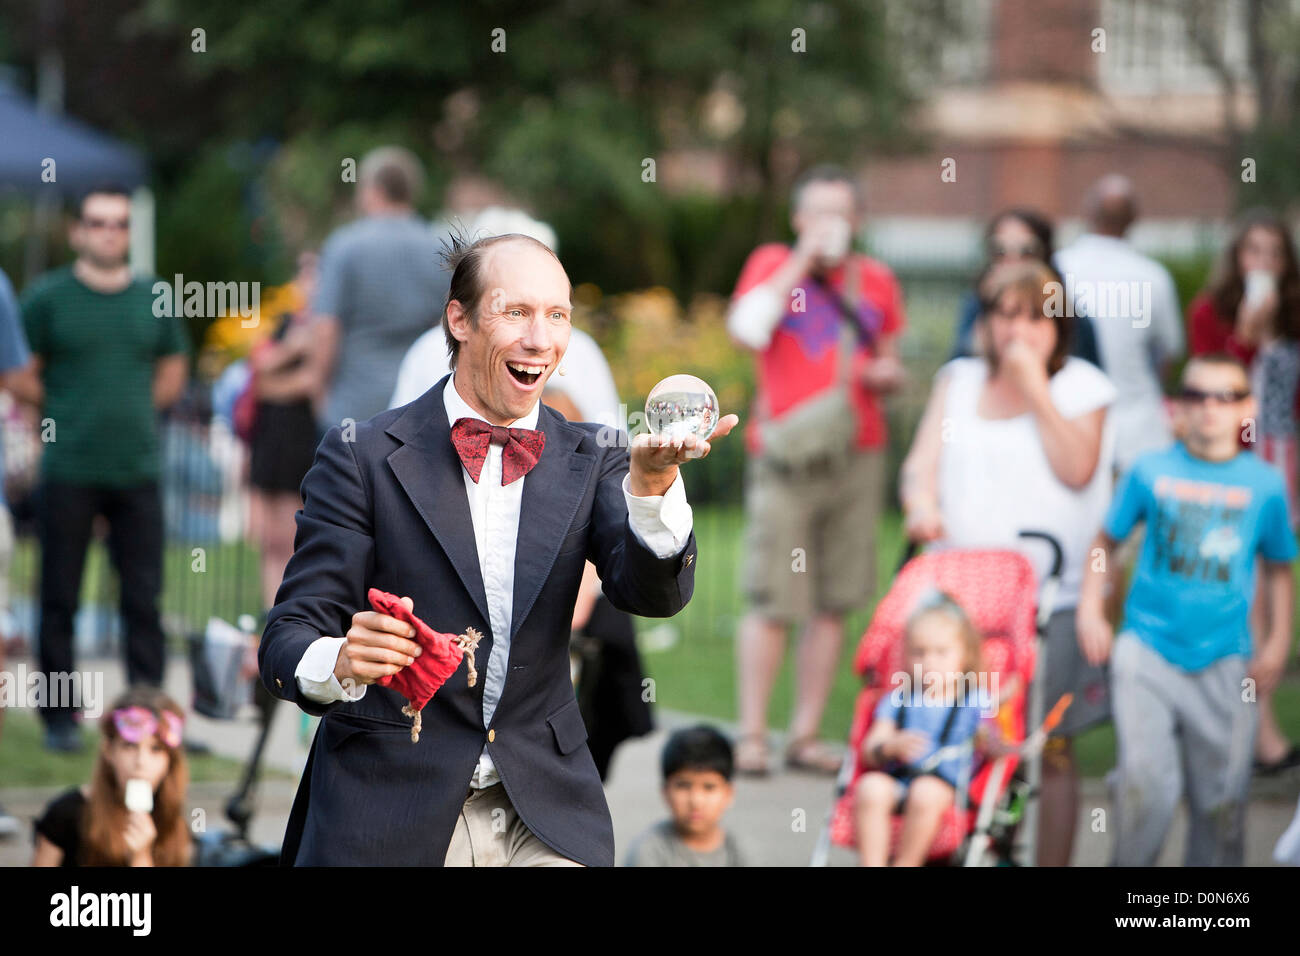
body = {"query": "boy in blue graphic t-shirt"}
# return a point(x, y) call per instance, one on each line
point(1183, 676)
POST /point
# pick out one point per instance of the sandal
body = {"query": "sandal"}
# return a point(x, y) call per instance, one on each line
point(1289, 760)
point(810, 755)
point(752, 757)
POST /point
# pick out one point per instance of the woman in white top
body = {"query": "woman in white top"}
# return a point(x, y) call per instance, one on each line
point(1018, 440)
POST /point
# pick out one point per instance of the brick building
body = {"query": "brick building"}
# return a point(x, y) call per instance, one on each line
point(1032, 104)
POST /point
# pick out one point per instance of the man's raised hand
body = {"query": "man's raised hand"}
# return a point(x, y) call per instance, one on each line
point(656, 457)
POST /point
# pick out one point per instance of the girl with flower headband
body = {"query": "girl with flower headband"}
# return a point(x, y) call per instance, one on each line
point(132, 813)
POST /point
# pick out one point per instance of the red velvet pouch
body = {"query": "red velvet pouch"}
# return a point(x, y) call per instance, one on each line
point(442, 654)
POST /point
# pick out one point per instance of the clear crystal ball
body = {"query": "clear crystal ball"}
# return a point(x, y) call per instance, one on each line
point(680, 406)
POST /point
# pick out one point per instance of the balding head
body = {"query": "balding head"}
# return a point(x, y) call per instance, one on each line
point(392, 175)
point(467, 261)
point(1111, 205)
point(507, 322)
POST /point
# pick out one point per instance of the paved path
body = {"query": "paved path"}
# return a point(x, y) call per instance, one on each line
point(764, 817)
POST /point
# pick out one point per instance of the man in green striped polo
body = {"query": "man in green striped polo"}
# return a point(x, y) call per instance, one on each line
point(107, 365)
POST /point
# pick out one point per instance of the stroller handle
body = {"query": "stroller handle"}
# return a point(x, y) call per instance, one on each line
point(1058, 555)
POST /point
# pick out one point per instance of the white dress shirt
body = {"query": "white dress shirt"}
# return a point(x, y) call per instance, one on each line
point(661, 522)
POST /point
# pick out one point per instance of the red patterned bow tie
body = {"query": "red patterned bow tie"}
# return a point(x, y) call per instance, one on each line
point(523, 447)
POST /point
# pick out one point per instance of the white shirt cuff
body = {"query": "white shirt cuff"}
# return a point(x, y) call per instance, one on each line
point(661, 522)
point(315, 672)
point(754, 317)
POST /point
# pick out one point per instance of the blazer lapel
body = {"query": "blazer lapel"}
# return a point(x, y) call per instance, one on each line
point(553, 489)
point(429, 471)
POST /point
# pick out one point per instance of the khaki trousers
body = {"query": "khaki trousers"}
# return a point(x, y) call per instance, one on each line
point(810, 540)
point(489, 833)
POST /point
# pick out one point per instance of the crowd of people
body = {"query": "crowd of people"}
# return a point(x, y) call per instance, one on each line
point(1051, 416)
point(1174, 503)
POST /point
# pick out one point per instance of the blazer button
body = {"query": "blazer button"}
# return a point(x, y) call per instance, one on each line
point(492, 735)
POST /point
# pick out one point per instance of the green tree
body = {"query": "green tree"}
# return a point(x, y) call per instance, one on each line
point(564, 103)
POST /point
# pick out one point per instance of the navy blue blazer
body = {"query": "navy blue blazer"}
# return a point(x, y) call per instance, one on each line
point(386, 507)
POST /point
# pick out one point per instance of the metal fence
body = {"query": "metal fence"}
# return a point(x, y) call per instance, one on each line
point(209, 568)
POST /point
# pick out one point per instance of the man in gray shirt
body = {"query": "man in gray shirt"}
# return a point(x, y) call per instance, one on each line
point(381, 286)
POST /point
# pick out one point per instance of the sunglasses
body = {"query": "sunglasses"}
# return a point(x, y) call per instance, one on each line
point(96, 223)
point(136, 723)
point(1225, 396)
point(1003, 250)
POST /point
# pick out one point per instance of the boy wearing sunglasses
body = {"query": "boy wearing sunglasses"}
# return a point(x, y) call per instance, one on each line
point(1184, 681)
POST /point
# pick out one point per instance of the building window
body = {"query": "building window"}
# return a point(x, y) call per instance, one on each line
point(942, 42)
point(1150, 46)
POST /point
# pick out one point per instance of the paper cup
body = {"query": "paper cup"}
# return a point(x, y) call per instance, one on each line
point(139, 796)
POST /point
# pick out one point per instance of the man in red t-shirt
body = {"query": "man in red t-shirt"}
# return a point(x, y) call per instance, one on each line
point(810, 527)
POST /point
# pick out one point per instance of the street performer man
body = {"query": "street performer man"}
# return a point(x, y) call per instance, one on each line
point(479, 506)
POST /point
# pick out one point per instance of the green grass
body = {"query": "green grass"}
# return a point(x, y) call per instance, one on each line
point(697, 674)
point(223, 584)
point(27, 763)
point(223, 581)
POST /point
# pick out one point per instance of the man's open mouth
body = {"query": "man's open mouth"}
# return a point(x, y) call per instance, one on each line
point(525, 374)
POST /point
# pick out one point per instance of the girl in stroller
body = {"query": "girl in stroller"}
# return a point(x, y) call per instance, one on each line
point(918, 754)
